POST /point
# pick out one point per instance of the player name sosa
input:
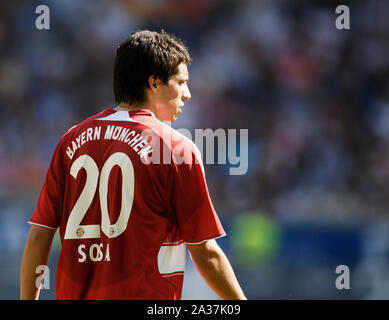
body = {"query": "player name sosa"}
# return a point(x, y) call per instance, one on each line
point(130, 137)
point(96, 252)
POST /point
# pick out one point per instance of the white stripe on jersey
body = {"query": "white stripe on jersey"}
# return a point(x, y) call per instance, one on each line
point(171, 258)
point(41, 225)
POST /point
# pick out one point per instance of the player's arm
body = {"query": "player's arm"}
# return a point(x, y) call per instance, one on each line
point(36, 252)
point(216, 270)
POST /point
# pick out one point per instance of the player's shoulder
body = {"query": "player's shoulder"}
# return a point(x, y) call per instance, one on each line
point(189, 144)
point(177, 138)
point(183, 149)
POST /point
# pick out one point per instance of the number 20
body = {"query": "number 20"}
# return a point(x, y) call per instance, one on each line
point(85, 199)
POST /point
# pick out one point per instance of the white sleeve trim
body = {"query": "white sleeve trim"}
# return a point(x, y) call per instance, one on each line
point(205, 240)
point(42, 225)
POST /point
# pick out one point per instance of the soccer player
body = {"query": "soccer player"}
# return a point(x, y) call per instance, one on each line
point(128, 192)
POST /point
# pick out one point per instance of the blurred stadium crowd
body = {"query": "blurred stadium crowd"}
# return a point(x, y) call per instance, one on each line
point(315, 100)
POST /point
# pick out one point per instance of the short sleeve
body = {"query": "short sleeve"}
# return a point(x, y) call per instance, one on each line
point(191, 203)
point(48, 210)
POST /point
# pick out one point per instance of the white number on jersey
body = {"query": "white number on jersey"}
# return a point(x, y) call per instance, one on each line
point(74, 229)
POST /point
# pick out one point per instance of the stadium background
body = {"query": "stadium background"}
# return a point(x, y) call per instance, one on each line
point(314, 99)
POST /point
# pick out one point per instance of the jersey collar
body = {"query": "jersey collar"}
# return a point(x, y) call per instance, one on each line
point(139, 112)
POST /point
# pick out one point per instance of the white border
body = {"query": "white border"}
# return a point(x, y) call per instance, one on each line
point(223, 235)
point(42, 225)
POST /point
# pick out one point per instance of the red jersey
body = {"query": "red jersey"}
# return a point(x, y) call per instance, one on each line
point(127, 192)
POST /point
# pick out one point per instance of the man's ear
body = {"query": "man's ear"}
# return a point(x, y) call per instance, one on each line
point(154, 82)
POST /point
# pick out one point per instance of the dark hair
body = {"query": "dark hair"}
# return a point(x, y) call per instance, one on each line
point(142, 54)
